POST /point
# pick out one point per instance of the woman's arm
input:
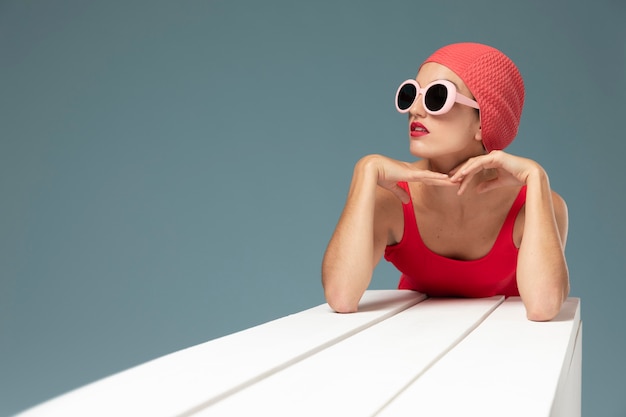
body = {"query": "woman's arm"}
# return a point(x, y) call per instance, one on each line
point(542, 274)
point(363, 230)
point(347, 266)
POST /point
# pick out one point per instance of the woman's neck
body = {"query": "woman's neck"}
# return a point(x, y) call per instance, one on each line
point(446, 164)
point(448, 196)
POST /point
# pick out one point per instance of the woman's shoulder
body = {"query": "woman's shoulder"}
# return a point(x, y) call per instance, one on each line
point(558, 201)
point(561, 215)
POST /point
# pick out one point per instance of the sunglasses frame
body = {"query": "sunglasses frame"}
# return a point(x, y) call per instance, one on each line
point(453, 97)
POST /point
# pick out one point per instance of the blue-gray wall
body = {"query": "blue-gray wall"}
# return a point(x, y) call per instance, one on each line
point(171, 171)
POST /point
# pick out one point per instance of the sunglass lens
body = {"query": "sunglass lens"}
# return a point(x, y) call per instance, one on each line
point(406, 95)
point(436, 97)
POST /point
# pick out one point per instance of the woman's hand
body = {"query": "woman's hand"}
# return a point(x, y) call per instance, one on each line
point(498, 168)
point(390, 172)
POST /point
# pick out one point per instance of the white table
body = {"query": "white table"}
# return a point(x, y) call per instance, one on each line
point(402, 354)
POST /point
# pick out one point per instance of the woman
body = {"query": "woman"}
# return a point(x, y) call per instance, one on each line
point(466, 219)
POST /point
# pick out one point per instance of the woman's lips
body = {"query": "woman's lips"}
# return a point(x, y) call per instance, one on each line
point(418, 129)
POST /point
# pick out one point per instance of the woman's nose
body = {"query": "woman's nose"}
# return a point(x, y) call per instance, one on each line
point(417, 107)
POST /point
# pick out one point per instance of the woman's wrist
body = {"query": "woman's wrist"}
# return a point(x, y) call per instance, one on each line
point(364, 178)
point(368, 168)
point(537, 175)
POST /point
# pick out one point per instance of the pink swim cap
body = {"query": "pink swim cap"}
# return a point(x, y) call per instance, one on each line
point(496, 84)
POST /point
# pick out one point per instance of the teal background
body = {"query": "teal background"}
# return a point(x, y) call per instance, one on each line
point(171, 171)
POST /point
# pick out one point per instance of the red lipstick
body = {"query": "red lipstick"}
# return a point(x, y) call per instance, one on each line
point(418, 130)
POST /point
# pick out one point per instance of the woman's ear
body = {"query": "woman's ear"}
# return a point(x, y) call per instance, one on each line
point(479, 135)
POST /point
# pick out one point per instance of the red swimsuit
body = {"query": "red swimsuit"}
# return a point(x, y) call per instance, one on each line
point(427, 272)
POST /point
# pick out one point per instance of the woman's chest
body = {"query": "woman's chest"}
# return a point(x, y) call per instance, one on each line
point(459, 238)
point(469, 233)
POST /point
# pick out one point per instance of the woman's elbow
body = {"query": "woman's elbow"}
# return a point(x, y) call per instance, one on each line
point(545, 304)
point(541, 314)
point(544, 310)
point(343, 308)
point(340, 301)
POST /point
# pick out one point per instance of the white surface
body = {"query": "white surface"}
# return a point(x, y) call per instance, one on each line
point(508, 366)
point(567, 401)
point(193, 378)
point(398, 356)
point(359, 375)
